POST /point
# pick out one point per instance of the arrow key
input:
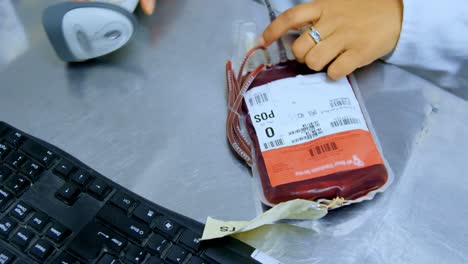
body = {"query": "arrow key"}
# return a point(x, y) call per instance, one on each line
point(177, 254)
point(99, 189)
point(108, 259)
point(68, 193)
point(135, 254)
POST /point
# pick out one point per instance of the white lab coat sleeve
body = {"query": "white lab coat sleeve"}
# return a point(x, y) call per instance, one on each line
point(433, 42)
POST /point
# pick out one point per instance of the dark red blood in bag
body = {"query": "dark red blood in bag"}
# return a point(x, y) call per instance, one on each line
point(350, 184)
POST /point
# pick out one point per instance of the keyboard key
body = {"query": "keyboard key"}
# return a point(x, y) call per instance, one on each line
point(14, 138)
point(41, 249)
point(4, 149)
point(31, 169)
point(39, 153)
point(65, 258)
point(64, 168)
point(7, 225)
point(197, 260)
point(118, 219)
point(81, 178)
point(190, 239)
point(22, 237)
point(68, 193)
point(122, 200)
point(144, 213)
point(157, 244)
point(17, 184)
point(21, 211)
point(57, 232)
point(38, 221)
point(177, 254)
point(155, 260)
point(114, 242)
point(4, 173)
point(89, 242)
point(108, 259)
point(99, 189)
point(6, 256)
point(5, 199)
point(225, 255)
point(92, 238)
point(15, 159)
point(167, 226)
point(135, 254)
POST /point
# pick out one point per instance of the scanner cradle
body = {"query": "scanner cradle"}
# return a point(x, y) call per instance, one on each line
point(80, 31)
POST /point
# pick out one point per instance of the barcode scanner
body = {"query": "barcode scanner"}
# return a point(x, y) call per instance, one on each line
point(80, 31)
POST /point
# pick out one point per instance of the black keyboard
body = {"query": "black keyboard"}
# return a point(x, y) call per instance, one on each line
point(55, 209)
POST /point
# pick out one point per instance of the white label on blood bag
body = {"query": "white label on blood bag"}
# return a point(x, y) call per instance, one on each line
point(300, 109)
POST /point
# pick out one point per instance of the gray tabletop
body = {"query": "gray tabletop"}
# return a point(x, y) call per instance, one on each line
point(151, 117)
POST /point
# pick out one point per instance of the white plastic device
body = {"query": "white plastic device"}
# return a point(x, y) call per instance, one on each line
point(80, 31)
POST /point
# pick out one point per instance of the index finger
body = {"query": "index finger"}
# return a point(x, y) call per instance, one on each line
point(148, 6)
point(292, 18)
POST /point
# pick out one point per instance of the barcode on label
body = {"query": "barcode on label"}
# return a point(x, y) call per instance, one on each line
point(320, 149)
point(258, 99)
point(340, 102)
point(309, 131)
point(274, 143)
point(309, 128)
point(345, 121)
point(304, 138)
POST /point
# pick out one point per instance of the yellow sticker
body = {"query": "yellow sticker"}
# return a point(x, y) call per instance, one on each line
point(297, 209)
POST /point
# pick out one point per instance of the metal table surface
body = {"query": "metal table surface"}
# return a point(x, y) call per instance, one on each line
point(151, 117)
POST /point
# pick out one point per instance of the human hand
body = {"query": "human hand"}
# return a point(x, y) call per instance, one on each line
point(353, 33)
point(146, 5)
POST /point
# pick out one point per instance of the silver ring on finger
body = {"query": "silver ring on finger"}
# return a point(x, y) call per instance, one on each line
point(315, 35)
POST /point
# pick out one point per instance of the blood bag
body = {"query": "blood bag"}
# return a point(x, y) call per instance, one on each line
point(304, 135)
